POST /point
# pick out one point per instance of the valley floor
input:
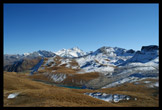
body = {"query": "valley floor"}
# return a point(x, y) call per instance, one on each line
point(37, 94)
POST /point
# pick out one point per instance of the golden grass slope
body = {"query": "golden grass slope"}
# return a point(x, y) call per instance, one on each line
point(37, 94)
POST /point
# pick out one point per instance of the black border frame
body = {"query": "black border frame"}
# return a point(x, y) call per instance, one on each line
point(69, 1)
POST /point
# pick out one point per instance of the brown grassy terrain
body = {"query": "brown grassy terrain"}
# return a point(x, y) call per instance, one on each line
point(28, 63)
point(75, 79)
point(61, 68)
point(145, 96)
point(71, 80)
point(23, 66)
point(37, 94)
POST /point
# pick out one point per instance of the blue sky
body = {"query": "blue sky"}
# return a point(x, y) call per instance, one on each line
point(32, 27)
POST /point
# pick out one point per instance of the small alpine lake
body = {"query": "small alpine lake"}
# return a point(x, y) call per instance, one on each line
point(51, 83)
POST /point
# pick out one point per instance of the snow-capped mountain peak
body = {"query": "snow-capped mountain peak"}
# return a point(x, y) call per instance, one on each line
point(42, 53)
point(75, 48)
point(70, 53)
point(26, 54)
point(114, 51)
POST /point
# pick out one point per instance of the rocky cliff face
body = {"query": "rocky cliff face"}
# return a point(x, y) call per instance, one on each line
point(149, 48)
point(22, 65)
point(146, 54)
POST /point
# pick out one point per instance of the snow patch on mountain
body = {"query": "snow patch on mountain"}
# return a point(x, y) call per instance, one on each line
point(57, 77)
point(109, 97)
point(26, 54)
point(42, 53)
point(64, 61)
point(13, 95)
point(122, 81)
point(104, 59)
point(153, 85)
point(50, 60)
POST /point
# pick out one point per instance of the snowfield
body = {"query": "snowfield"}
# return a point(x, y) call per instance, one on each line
point(70, 53)
point(57, 77)
point(109, 97)
point(13, 95)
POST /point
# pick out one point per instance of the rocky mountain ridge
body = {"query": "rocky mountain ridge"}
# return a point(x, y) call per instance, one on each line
point(107, 66)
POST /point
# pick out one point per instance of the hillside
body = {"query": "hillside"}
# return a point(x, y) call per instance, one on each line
point(37, 94)
point(109, 76)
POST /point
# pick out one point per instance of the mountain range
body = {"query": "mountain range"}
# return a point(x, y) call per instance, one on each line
point(105, 67)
